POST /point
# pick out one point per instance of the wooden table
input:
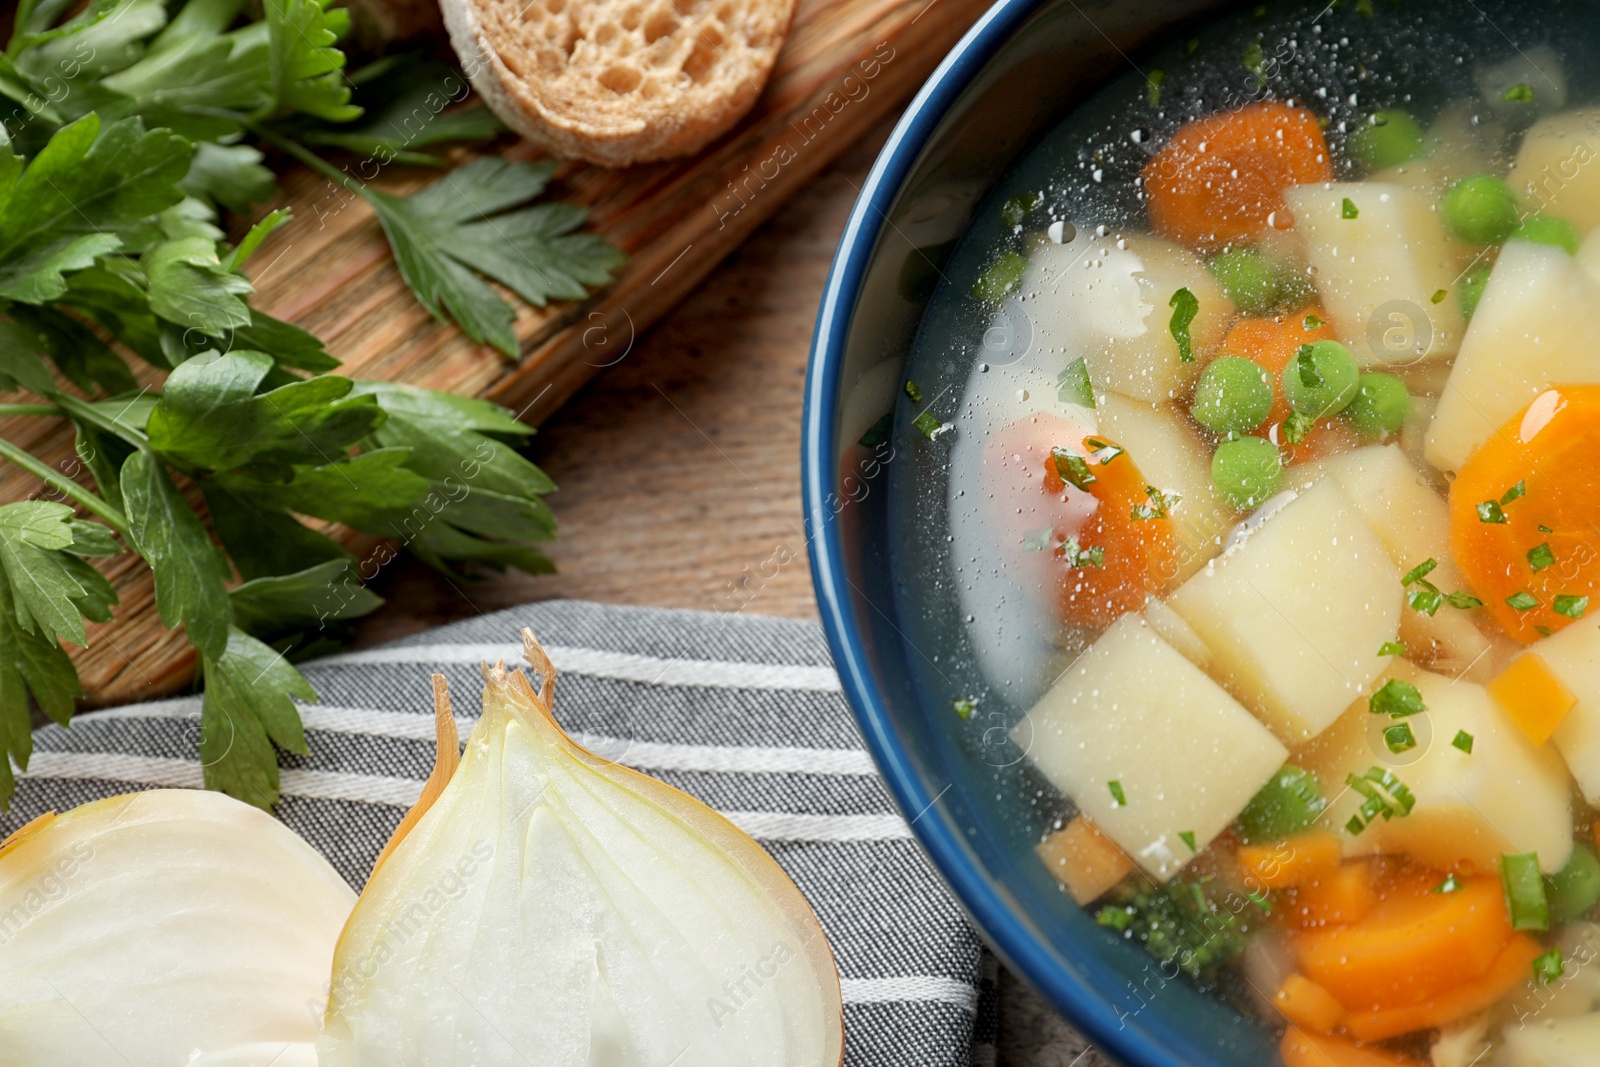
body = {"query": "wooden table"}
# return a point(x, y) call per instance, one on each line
point(680, 480)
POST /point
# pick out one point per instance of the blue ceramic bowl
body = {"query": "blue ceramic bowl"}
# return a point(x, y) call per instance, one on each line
point(1016, 74)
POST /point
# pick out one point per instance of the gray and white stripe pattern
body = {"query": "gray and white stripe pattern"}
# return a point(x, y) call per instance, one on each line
point(743, 712)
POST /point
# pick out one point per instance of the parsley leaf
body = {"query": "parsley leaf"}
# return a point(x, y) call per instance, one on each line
point(464, 225)
point(248, 707)
point(1572, 607)
point(1397, 699)
point(189, 571)
point(306, 71)
point(1540, 556)
point(1185, 306)
point(1522, 600)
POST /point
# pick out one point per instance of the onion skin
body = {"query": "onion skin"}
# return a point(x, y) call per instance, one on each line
point(547, 906)
point(168, 927)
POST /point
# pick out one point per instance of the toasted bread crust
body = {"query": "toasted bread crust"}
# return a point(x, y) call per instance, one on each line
point(616, 82)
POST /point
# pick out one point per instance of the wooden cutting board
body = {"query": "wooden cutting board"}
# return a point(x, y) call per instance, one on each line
point(845, 65)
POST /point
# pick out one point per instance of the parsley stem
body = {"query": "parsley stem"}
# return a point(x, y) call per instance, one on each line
point(310, 159)
point(55, 479)
point(7, 410)
point(89, 413)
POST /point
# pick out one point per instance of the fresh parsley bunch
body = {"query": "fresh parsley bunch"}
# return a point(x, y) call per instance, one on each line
point(129, 126)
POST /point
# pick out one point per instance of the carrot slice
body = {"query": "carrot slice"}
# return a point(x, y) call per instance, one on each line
point(1307, 1005)
point(1221, 178)
point(1534, 698)
point(1506, 971)
point(1296, 861)
point(1116, 518)
point(1300, 1049)
point(1414, 945)
point(1083, 859)
point(1535, 482)
point(1270, 343)
point(1345, 895)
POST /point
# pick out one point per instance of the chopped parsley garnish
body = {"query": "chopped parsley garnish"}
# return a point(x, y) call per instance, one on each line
point(878, 432)
point(1187, 837)
point(1104, 451)
point(1420, 571)
point(1427, 600)
point(1348, 209)
point(1547, 966)
point(1311, 322)
point(1072, 385)
point(1014, 211)
point(1540, 557)
point(1392, 648)
point(1043, 542)
point(1000, 277)
point(1399, 738)
point(1522, 601)
point(1296, 426)
point(1305, 362)
point(1449, 885)
point(1153, 84)
point(1490, 511)
point(1176, 923)
point(928, 423)
point(1439, 295)
point(1386, 796)
point(1521, 93)
point(1572, 607)
point(1524, 886)
point(1545, 529)
point(1396, 698)
point(1516, 492)
point(1073, 468)
point(1117, 794)
point(1159, 503)
point(1544, 631)
point(1077, 556)
point(914, 391)
point(1462, 600)
point(1254, 58)
point(965, 707)
point(1185, 306)
point(1260, 900)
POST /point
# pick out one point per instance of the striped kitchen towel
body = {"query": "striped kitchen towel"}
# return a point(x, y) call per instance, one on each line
point(743, 712)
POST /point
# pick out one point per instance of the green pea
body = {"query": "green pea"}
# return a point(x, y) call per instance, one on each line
point(1480, 209)
point(1233, 395)
point(1248, 279)
point(1575, 888)
point(1321, 379)
point(1549, 230)
point(1470, 290)
point(1289, 803)
point(1246, 472)
point(1388, 139)
point(1380, 405)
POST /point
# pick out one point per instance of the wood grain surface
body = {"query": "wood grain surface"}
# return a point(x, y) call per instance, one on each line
point(845, 65)
point(679, 475)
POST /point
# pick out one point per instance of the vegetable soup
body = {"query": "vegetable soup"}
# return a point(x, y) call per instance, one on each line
point(1258, 414)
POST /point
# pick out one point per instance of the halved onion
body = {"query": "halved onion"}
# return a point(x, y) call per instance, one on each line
point(544, 906)
point(164, 928)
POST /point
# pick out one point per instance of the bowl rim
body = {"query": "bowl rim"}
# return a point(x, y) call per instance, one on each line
point(1002, 927)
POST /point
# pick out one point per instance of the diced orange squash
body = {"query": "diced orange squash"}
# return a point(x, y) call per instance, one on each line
point(1530, 693)
point(1296, 861)
point(1414, 945)
point(1307, 1005)
point(1344, 895)
point(1300, 1049)
point(1510, 967)
point(1084, 860)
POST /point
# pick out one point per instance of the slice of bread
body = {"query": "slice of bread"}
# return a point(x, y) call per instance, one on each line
point(618, 81)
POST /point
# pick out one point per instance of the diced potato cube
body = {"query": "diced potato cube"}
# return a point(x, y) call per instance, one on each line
point(1295, 612)
point(1107, 300)
point(1173, 459)
point(1414, 525)
point(1185, 757)
point(1505, 796)
point(1377, 273)
point(1573, 655)
point(1083, 860)
point(1552, 173)
point(1535, 327)
point(1567, 1042)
